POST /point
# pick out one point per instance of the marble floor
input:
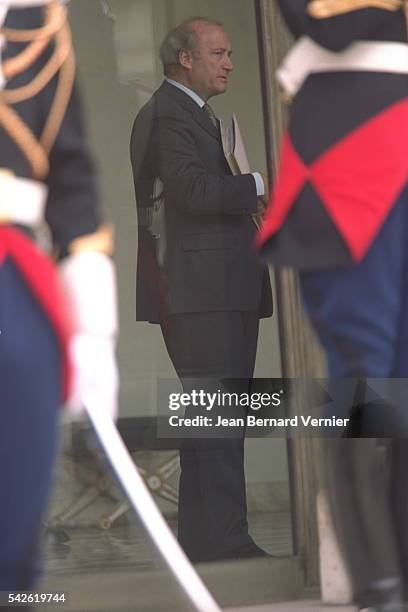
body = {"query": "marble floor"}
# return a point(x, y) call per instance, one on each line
point(104, 561)
point(127, 546)
point(119, 569)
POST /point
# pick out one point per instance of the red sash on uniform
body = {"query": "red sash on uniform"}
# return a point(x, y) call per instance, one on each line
point(41, 277)
point(358, 179)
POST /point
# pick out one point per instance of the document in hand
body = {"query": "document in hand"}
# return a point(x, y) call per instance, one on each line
point(234, 148)
point(234, 151)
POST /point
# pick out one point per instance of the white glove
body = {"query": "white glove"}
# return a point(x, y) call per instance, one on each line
point(95, 374)
point(89, 281)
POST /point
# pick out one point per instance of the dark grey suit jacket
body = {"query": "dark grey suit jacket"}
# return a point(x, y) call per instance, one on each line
point(209, 263)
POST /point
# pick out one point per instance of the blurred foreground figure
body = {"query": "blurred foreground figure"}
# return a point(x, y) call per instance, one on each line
point(339, 214)
point(56, 343)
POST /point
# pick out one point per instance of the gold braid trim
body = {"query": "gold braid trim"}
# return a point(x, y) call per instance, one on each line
point(101, 241)
point(61, 52)
point(25, 140)
point(56, 16)
point(60, 103)
point(14, 66)
point(406, 14)
point(36, 150)
point(321, 9)
point(26, 58)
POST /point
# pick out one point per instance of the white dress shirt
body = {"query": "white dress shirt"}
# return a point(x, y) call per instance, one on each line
point(260, 187)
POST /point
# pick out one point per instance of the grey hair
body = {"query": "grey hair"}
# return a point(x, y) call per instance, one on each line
point(184, 36)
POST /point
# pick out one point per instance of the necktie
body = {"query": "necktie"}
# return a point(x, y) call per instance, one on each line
point(212, 116)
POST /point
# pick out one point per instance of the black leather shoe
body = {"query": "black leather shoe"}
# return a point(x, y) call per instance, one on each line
point(383, 596)
point(249, 552)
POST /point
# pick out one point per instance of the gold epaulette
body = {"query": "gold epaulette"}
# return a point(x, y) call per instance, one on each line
point(100, 241)
point(321, 9)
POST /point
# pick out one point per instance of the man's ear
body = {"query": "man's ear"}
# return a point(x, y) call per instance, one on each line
point(185, 59)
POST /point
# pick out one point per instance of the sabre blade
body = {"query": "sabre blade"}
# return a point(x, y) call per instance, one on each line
point(144, 505)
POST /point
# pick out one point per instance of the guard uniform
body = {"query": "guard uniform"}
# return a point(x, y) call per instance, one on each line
point(339, 214)
point(46, 174)
point(343, 162)
point(339, 209)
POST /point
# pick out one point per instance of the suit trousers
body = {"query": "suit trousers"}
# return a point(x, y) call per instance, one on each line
point(213, 351)
point(30, 393)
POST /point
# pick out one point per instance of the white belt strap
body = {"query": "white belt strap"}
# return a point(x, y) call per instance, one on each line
point(21, 200)
point(307, 57)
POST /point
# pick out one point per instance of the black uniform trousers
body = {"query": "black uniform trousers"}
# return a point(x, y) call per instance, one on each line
point(211, 351)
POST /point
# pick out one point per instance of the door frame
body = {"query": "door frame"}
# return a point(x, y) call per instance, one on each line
point(300, 354)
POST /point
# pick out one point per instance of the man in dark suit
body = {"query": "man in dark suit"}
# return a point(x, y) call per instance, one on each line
point(209, 290)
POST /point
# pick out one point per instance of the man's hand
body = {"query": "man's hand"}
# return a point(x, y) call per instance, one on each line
point(261, 207)
point(263, 201)
point(265, 197)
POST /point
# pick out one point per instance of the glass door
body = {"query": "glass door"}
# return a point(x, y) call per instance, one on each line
point(117, 43)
